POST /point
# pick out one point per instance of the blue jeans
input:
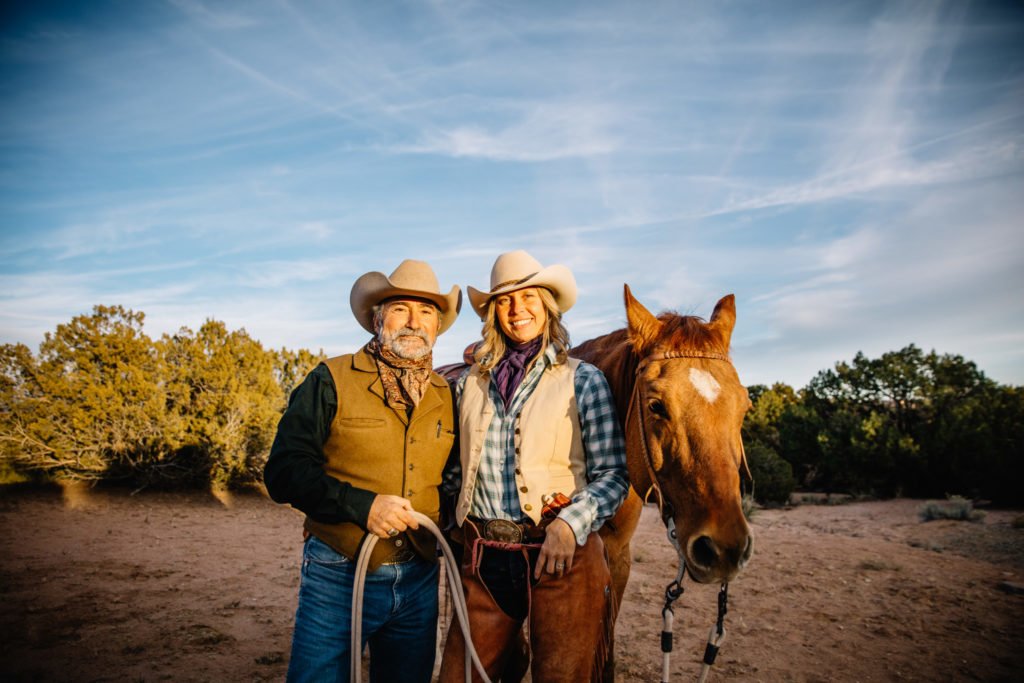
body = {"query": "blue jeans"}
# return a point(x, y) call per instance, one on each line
point(399, 619)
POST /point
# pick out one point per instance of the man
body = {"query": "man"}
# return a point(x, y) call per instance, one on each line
point(362, 444)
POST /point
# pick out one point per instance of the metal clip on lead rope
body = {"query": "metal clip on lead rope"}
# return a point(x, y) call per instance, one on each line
point(454, 588)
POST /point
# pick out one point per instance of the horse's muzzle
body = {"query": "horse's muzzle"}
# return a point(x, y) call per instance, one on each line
point(708, 561)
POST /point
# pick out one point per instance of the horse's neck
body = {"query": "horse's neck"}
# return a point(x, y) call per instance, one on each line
point(616, 359)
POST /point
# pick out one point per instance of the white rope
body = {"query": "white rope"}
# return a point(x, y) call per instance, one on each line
point(667, 617)
point(454, 588)
point(715, 640)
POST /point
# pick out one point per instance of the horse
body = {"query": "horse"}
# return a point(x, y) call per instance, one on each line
point(681, 406)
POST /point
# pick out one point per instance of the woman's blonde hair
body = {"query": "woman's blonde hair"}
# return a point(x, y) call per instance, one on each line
point(492, 348)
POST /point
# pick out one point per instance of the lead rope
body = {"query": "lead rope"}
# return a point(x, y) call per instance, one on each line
point(454, 588)
point(716, 636)
point(673, 592)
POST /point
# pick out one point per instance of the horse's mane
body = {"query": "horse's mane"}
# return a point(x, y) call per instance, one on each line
point(691, 333)
point(678, 333)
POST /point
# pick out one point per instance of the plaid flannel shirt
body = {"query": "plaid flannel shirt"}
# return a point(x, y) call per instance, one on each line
point(496, 495)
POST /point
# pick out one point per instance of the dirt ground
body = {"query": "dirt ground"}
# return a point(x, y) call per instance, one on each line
point(100, 586)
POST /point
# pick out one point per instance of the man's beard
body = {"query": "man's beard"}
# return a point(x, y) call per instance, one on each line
point(403, 347)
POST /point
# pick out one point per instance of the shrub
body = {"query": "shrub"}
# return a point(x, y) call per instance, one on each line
point(749, 507)
point(773, 476)
point(878, 565)
point(954, 507)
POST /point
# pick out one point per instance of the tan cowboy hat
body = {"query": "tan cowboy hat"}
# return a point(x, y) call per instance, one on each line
point(515, 270)
point(411, 278)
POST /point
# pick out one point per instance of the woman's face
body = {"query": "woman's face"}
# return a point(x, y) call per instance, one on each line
point(521, 314)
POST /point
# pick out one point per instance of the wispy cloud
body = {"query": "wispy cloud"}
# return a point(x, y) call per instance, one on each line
point(544, 133)
point(218, 18)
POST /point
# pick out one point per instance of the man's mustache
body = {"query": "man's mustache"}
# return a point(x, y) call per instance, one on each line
point(409, 332)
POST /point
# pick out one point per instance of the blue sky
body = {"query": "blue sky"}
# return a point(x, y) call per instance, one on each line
point(853, 172)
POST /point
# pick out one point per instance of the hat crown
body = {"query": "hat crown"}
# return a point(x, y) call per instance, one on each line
point(513, 266)
point(413, 274)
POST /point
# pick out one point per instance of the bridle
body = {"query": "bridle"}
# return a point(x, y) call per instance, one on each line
point(675, 589)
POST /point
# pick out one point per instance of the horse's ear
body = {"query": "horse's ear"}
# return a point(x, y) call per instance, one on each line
point(644, 328)
point(724, 316)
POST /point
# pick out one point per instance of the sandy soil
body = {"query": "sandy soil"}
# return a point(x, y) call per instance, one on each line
point(185, 587)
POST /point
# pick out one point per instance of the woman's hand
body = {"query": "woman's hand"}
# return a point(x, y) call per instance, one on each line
point(558, 550)
point(390, 516)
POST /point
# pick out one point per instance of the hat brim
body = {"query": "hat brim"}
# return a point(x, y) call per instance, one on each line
point(374, 287)
point(558, 279)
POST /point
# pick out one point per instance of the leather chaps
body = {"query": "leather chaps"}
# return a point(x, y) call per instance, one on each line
point(569, 619)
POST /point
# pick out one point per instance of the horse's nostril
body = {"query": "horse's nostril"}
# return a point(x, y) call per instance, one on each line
point(748, 550)
point(704, 551)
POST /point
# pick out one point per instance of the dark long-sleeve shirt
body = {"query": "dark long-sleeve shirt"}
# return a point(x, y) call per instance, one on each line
point(294, 473)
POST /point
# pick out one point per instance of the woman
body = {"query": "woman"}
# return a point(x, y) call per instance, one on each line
point(543, 467)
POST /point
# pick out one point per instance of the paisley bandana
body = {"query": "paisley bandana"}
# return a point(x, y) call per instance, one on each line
point(405, 381)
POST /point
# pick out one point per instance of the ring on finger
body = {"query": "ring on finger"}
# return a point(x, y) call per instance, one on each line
point(559, 566)
point(392, 532)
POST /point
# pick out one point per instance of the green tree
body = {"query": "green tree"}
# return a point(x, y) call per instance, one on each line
point(291, 367)
point(773, 476)
point(92, 405)
point(914, 423)
point(768, 405)
point(226, 399)
point(19, 398)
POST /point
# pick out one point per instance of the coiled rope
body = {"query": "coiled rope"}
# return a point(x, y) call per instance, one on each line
point(454, 588)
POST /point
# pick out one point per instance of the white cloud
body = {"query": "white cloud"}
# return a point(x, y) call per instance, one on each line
point(546, 132)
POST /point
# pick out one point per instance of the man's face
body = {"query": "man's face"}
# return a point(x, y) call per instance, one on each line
point(409, 327)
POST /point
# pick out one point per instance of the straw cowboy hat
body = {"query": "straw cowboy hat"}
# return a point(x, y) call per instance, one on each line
point(515, 270)
point(414, 279)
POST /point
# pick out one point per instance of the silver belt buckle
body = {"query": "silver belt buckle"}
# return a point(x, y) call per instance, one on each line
point(503, 531)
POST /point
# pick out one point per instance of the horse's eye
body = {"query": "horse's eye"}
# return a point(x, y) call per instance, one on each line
point(658, 408)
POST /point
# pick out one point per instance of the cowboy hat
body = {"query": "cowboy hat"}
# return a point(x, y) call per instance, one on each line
point(515, 270)
point(413, 279)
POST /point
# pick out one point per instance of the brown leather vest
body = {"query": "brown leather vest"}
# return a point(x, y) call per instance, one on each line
point(375, 447)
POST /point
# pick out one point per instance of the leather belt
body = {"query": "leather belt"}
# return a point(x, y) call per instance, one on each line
point(505, 531)
point(401, 557)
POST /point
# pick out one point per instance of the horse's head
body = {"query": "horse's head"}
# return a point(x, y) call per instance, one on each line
point(690, 404)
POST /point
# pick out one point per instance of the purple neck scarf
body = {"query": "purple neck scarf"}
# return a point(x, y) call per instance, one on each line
point(509, 371)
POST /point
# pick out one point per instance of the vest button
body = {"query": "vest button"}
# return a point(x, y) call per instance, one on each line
point(518, 471)
point(409, 492)
point(411, 466)
point(399, 543)
point(527, 507)
point(523, 489)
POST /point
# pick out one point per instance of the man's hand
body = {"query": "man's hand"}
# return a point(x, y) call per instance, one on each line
point(390, 516)
point(557, 552)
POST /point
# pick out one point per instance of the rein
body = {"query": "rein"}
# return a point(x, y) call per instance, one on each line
point(674, 590)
